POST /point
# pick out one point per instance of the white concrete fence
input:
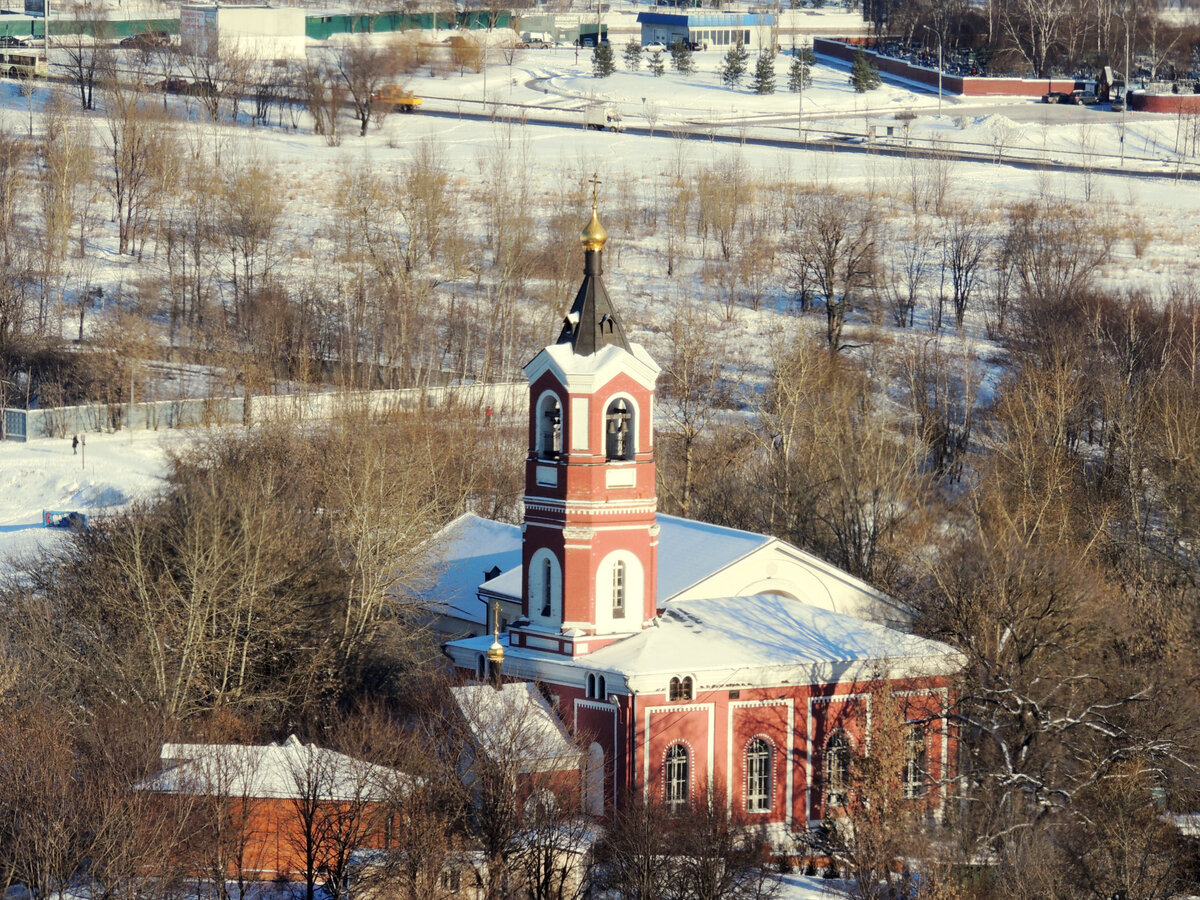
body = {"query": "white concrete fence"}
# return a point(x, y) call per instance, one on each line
point(59, 422)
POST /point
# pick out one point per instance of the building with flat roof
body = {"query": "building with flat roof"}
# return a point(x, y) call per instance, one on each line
point(710, 30)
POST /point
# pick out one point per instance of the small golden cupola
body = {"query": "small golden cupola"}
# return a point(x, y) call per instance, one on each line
point(495, 653)
point(593, 237)
point(592, 322)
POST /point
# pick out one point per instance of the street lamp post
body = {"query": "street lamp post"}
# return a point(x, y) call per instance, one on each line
point(939, 37)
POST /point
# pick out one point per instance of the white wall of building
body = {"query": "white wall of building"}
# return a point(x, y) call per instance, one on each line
point(255, 32)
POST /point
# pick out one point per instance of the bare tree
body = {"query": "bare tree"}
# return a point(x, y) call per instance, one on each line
point(138, 146)
point(694, 390)
point(837, 248)
point(84, 47)
point(1033, 27)
point(964, 246)
point(904, 278)
point(363, 70)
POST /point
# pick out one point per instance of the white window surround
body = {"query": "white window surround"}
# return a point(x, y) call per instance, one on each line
point(548, 438)
point(635, 580)
point(537, 587)
point(621, 423)
point(759, 763)
point(635, 425)
point(677, 771)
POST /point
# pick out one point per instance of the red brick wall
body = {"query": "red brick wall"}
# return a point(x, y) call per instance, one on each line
point(1165, 103)
point(266, 834)
point(845, 48)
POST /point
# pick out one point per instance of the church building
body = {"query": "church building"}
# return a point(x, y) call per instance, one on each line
point(690, 657)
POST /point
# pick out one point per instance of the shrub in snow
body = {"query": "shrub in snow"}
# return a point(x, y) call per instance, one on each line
point(863, 74)
point(764, 74)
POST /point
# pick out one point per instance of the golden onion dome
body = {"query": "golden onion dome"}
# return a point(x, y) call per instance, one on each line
point(593, 237)
point(495, 653)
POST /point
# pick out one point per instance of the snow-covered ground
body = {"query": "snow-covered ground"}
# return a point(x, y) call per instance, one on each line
point(110, 471)
point(44, 474)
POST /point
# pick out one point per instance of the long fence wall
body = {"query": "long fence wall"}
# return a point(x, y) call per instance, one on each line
point(61, 422)
point(969, 86)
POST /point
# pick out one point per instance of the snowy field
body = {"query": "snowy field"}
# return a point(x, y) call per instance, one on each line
point(684, 110)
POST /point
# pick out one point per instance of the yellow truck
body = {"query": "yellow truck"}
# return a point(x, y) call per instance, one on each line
point(397, 98)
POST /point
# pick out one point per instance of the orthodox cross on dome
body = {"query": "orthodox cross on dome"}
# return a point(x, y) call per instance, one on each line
point(592, 322)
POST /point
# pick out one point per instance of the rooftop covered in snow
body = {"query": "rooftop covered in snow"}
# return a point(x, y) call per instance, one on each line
point(272, 771)
point(516, 722)
point(743, 642)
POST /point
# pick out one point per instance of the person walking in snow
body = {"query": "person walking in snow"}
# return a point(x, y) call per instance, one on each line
point(75, 445)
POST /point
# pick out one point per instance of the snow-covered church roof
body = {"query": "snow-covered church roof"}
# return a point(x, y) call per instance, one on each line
point(734, 642)
point(695, 559)
point(461, 556)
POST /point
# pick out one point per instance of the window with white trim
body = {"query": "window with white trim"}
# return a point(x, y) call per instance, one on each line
point(837, 769)
point(618, 430)
point(680, 689)
point(914, 762)
point(758, 776)
point(675, 784)
point(618, 589)
point(549, 426)
point(547, 587)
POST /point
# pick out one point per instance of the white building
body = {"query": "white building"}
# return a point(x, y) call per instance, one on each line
point(255, 32)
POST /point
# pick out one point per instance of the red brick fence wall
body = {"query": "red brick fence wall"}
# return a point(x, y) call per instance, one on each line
point(845, 48)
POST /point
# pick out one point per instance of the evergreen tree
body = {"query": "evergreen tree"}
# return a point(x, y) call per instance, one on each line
point(764, 74)
point(681, 58)
point(603, 61)
point(800, 70)
point(863, 74)
point(655, 65)
point(633, 55)
point(734, 66)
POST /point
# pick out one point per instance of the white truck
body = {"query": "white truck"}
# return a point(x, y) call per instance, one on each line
point(601, 118)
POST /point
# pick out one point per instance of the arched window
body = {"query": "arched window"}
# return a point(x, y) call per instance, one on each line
point(758, 776)
point(547, 587)
point(591, 686)
point(481, 668)
point(601, 689)
point(681, 688)
point(675, 786)
point(549, 427)
point(593, 800)
point(618, 430)
point(837, 769)
point(914, 762)
point(618, 590)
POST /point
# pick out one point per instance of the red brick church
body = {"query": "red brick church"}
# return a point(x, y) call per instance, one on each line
point(627, 620)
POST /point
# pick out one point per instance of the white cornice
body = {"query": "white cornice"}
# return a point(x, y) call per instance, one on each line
point(587, 374)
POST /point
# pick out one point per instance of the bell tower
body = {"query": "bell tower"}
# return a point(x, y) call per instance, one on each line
point(589, 551)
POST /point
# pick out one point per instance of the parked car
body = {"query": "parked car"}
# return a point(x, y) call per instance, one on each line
point(1081, 98)
point(1118, 104)
point(7, 40)
point(1055, 97)
point(146, 40)
point(537, 45)
point(655, 45)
